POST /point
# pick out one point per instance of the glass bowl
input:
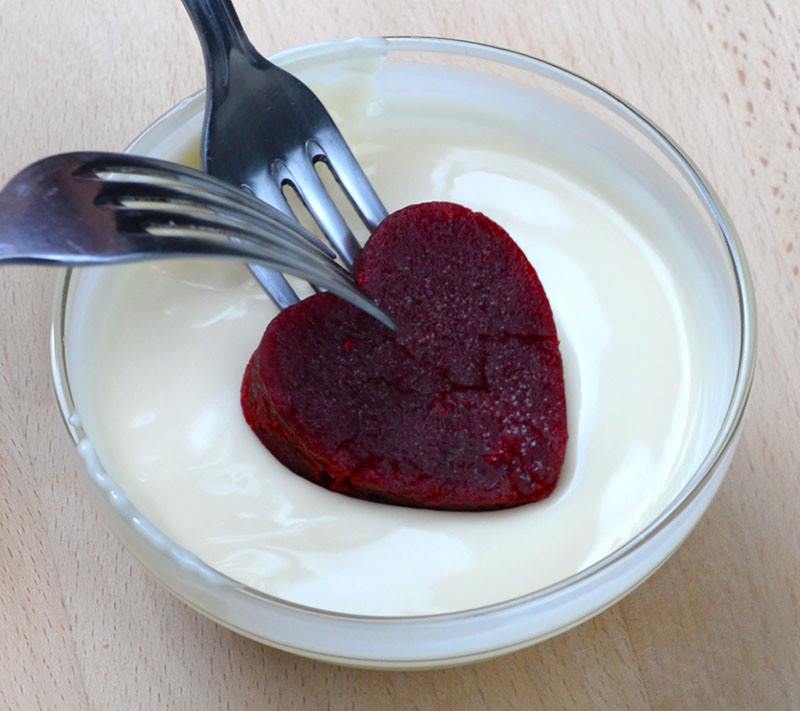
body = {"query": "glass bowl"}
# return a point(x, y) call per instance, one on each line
point(460, 637)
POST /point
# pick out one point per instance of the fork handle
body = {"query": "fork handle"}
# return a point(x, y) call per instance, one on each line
point(219, 30)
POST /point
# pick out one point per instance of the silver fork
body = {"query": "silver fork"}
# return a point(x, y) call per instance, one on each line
point(265, 129)
point(84, 209)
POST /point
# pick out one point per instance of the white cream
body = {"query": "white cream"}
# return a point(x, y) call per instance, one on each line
point(156, 354)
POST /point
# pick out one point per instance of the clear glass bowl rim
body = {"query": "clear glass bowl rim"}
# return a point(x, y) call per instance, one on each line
point(729, 427)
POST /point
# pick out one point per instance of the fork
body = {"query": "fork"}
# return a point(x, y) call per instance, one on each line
point(265, 129)
point(84, 209)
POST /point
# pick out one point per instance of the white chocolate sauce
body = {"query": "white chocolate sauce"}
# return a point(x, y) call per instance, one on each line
point(156, 354)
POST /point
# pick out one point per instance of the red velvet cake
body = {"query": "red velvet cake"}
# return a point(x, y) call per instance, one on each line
point(462, 408)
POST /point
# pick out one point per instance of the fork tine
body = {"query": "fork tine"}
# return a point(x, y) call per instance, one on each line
point(290, 236)
point(187, 183)
point(193, 185)
point(276, 285)
point(210, 240)
point(272, 281)
point(300, 173)
point(190, 241)
point(268, 191)
point(142, 215)
point(337, 155)
point(182, 240)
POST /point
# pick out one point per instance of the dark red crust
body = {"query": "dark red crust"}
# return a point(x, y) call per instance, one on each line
point(463, 408)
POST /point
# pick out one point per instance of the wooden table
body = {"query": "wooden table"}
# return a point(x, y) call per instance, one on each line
point(82, 626)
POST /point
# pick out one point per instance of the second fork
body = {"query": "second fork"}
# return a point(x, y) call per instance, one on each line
point(264, 129)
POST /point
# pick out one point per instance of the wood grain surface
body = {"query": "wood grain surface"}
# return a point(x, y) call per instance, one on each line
point(718, 627)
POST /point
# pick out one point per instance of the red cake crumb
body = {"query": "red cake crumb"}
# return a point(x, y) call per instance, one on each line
point(462, 408)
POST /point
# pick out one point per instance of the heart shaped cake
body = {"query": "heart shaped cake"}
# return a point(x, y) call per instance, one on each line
point(462, 408)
